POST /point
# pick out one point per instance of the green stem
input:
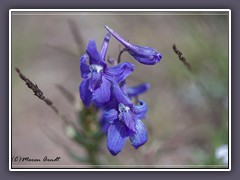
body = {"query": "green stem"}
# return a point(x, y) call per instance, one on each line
point(92, 157)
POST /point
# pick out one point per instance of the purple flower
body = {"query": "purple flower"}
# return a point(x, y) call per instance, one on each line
point(145, 55)
point(105, 87)
point(122, 120)
point(97, 77)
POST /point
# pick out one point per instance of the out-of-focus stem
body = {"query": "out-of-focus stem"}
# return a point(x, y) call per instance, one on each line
point(40, 95)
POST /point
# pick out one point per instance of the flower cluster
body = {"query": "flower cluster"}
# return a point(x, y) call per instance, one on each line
point(105, 87)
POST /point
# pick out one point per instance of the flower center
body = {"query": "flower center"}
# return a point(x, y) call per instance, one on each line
point(95, 68)
point(122, 108)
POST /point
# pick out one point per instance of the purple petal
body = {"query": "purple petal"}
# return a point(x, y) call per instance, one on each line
point(84, 67)
point(104, 125)
point(144, 60)
point(95, 81)
point(140, 110)
point(120, 72)
point(105, 46)
point(110, 115)
point(145, 55)
point(116, 138)
point(140, 136)
point(129, 120)
point(85, 94)
point(136, 90)
point(102, 94)
point(119, 95)
point(123, 86)
point(112, 104)
point(93, 54)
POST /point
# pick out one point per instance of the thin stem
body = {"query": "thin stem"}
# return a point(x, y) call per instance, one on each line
point(181, 58)
point(119, 56)
point(199, 83)
point(40, 95)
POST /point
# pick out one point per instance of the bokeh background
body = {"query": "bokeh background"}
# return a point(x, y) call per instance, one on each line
point(188, 111)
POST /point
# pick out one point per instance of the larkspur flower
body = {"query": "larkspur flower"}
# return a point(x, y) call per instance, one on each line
point(97, 77)
point(106, 88)
point(142, 54)
point(122, 120)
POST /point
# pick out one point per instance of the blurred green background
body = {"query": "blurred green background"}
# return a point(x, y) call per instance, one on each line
point(188, 111)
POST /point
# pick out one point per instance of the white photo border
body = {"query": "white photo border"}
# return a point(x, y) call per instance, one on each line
point(57, 12)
